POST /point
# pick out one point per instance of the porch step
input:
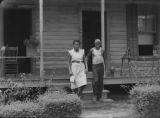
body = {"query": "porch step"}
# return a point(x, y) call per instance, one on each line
point(90, 104)
point(60, 86)
point(88, 95)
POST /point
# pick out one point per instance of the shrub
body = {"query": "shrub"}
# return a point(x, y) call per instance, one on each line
point(21, 110)
point(60, 105)
point(53, 104)
point(19, 92)
point(146, 100)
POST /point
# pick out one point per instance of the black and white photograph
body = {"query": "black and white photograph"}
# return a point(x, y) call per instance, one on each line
point(79, 58)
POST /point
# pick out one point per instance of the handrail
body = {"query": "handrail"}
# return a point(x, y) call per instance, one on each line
point(5, 57)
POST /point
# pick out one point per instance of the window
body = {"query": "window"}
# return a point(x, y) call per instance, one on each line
point(146, 30)
point(146, 23)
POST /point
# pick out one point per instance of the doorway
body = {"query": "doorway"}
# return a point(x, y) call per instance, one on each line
point(91, 23)
point(17, 28)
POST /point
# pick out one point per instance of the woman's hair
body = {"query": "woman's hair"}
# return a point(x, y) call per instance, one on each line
point(78, 41)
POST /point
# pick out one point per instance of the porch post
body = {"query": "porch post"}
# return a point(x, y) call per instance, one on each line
point(1, 40)
point(103, 23)
point(41, 38)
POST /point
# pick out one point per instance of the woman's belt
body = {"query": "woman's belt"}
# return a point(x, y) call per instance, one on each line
point(77, 61)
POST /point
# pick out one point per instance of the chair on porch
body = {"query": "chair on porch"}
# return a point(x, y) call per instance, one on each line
point(11, 61)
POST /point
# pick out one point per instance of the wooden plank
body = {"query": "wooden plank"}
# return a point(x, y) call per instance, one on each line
point(117, 53)
point(58, 46)
point(118, 45)
point(116, 41)
point(55, 54)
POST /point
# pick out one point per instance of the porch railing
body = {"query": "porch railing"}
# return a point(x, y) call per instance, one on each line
point(140, 67)
point(130, 67)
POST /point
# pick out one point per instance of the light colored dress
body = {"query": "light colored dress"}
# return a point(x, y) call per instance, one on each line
point(78, 69)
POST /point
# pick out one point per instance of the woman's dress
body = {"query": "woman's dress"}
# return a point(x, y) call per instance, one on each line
point(78, 68)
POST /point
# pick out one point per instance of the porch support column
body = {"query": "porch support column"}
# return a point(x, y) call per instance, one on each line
point(41, 38)
point(1, 40)
point(103, 23)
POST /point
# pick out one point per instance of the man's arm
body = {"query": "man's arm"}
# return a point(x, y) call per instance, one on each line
point(89, 55)
point(86, 64)
point(104, 57)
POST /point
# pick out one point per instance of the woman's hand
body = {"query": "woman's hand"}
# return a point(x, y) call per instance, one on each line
point(70, 73)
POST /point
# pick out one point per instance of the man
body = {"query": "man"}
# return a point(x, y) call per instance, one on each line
point(98, 66)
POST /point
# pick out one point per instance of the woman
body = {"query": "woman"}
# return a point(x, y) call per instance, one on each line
point(98, 57)
point(77, 68)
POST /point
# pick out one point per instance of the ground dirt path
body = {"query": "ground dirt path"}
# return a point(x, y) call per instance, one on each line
point(116, 109)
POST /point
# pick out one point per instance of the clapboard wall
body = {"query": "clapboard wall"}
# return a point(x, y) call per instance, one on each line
point(117, 33)
point(61, 27)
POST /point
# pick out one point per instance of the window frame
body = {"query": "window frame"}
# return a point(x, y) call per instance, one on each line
point(147, 10)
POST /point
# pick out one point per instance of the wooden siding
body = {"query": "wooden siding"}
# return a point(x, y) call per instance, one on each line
point(117, 33)
point(158, 30)
point(61, 27)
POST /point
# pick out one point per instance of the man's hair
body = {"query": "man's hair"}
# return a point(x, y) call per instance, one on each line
point(97, 40)
point(78, 41)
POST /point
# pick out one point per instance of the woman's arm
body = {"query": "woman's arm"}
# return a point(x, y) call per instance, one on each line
point(69, 64)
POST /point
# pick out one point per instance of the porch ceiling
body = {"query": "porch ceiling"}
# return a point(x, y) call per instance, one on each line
point(53, 2)
point(122, 1)
point(8, 3)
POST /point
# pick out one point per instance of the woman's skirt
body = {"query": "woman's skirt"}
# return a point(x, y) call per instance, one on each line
point(79, 74)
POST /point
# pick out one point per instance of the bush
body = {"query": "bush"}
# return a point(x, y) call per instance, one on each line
point(60, 105)
point(53, 104)
point(146, 100)
point(19, 92)
point(21, 110)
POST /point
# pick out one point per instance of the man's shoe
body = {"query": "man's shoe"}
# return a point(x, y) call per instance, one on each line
point(99, 100)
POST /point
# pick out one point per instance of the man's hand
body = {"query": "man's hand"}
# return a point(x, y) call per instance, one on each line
point(70, 73)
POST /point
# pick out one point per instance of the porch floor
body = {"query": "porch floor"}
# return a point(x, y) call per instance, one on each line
point(63, 80)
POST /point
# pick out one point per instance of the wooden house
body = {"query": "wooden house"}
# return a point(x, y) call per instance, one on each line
point(120, 24)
